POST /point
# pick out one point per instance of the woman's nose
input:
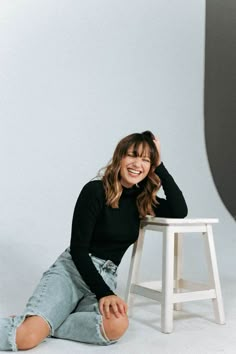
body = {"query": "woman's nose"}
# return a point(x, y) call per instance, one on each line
point(137, 161)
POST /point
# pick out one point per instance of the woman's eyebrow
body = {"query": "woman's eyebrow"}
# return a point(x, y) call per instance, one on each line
point(135, 152)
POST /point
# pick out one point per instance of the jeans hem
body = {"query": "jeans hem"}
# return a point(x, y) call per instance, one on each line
point(99, 326)
point(17, 321)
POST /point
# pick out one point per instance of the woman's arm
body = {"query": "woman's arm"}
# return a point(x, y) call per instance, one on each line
point(87, 210)
point(174, 206)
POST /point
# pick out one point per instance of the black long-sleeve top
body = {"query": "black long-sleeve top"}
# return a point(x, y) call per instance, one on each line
point(107, 232)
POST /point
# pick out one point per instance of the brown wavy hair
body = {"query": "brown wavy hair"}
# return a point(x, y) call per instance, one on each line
point(150, 185)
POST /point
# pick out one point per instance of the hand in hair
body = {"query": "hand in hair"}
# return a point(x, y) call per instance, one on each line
point(158, 146)
point(156, 142)
point(112, 304)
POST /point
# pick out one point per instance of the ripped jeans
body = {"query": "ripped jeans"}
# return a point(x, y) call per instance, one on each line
point(64, 300)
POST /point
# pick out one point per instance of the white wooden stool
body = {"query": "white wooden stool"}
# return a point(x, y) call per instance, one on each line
point(169, 291)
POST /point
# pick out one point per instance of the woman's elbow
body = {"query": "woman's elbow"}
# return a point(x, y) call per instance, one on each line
point(181, 213)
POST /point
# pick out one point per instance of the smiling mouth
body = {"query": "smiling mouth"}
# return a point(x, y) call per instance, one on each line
point(134, 172)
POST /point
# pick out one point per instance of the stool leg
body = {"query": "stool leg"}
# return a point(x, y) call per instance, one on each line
point(167, 281)
point(133, 276)
point(178, 266)
point(214, 275)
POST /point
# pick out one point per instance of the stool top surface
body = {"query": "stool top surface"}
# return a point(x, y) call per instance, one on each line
point(173, 221)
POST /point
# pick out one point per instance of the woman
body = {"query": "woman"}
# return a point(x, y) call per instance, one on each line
point(76, 297)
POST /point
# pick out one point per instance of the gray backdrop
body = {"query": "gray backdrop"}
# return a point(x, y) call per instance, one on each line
point(220, 97)
point(76, 76)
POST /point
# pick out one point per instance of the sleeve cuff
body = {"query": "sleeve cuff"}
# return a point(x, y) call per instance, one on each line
point(161, 171)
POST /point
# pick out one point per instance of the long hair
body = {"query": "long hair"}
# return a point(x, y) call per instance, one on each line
point(150, 185)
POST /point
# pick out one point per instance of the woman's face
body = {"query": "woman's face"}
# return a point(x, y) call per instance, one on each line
point(135, 166)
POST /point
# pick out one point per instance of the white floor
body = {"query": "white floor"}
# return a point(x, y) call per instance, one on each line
point(195, 331)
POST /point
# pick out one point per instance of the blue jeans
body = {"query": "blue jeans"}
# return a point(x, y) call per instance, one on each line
point(64, 300)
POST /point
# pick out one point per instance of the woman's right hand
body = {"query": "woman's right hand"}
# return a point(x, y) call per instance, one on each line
point(112, 304)
point(158, 147)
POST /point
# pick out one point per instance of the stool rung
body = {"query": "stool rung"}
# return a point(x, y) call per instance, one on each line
point(189, 285)
point(178, 284)
point(193, 296)
point(146, 292)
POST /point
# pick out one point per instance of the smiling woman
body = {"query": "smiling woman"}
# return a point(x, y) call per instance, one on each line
point(105, 223)
point(134, 160)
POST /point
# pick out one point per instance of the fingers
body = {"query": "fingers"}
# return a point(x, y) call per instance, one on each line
point(114, 309)
point(119, 308)
point(157, 142)
point(123, 308)
point(104, 306)
point(158, 147)
point(112, 304)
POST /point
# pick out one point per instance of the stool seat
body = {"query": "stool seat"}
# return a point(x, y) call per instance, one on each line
point(172, 221)
point(172, 289)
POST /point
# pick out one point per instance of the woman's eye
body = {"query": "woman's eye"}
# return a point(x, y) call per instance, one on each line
point(146, 159)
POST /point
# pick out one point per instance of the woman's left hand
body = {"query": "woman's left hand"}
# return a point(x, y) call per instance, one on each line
point(112, 304)
point(158, 146)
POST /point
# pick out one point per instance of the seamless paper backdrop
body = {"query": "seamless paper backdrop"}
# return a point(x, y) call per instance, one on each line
point(220, 102)
point(75, 77)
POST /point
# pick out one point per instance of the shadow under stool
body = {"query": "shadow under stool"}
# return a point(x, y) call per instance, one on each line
point(169, 291)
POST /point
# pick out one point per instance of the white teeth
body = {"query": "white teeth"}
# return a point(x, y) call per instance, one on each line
point(134, 171)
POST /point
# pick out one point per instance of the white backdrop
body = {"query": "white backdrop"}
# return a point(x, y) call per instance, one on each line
point(75, 77)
